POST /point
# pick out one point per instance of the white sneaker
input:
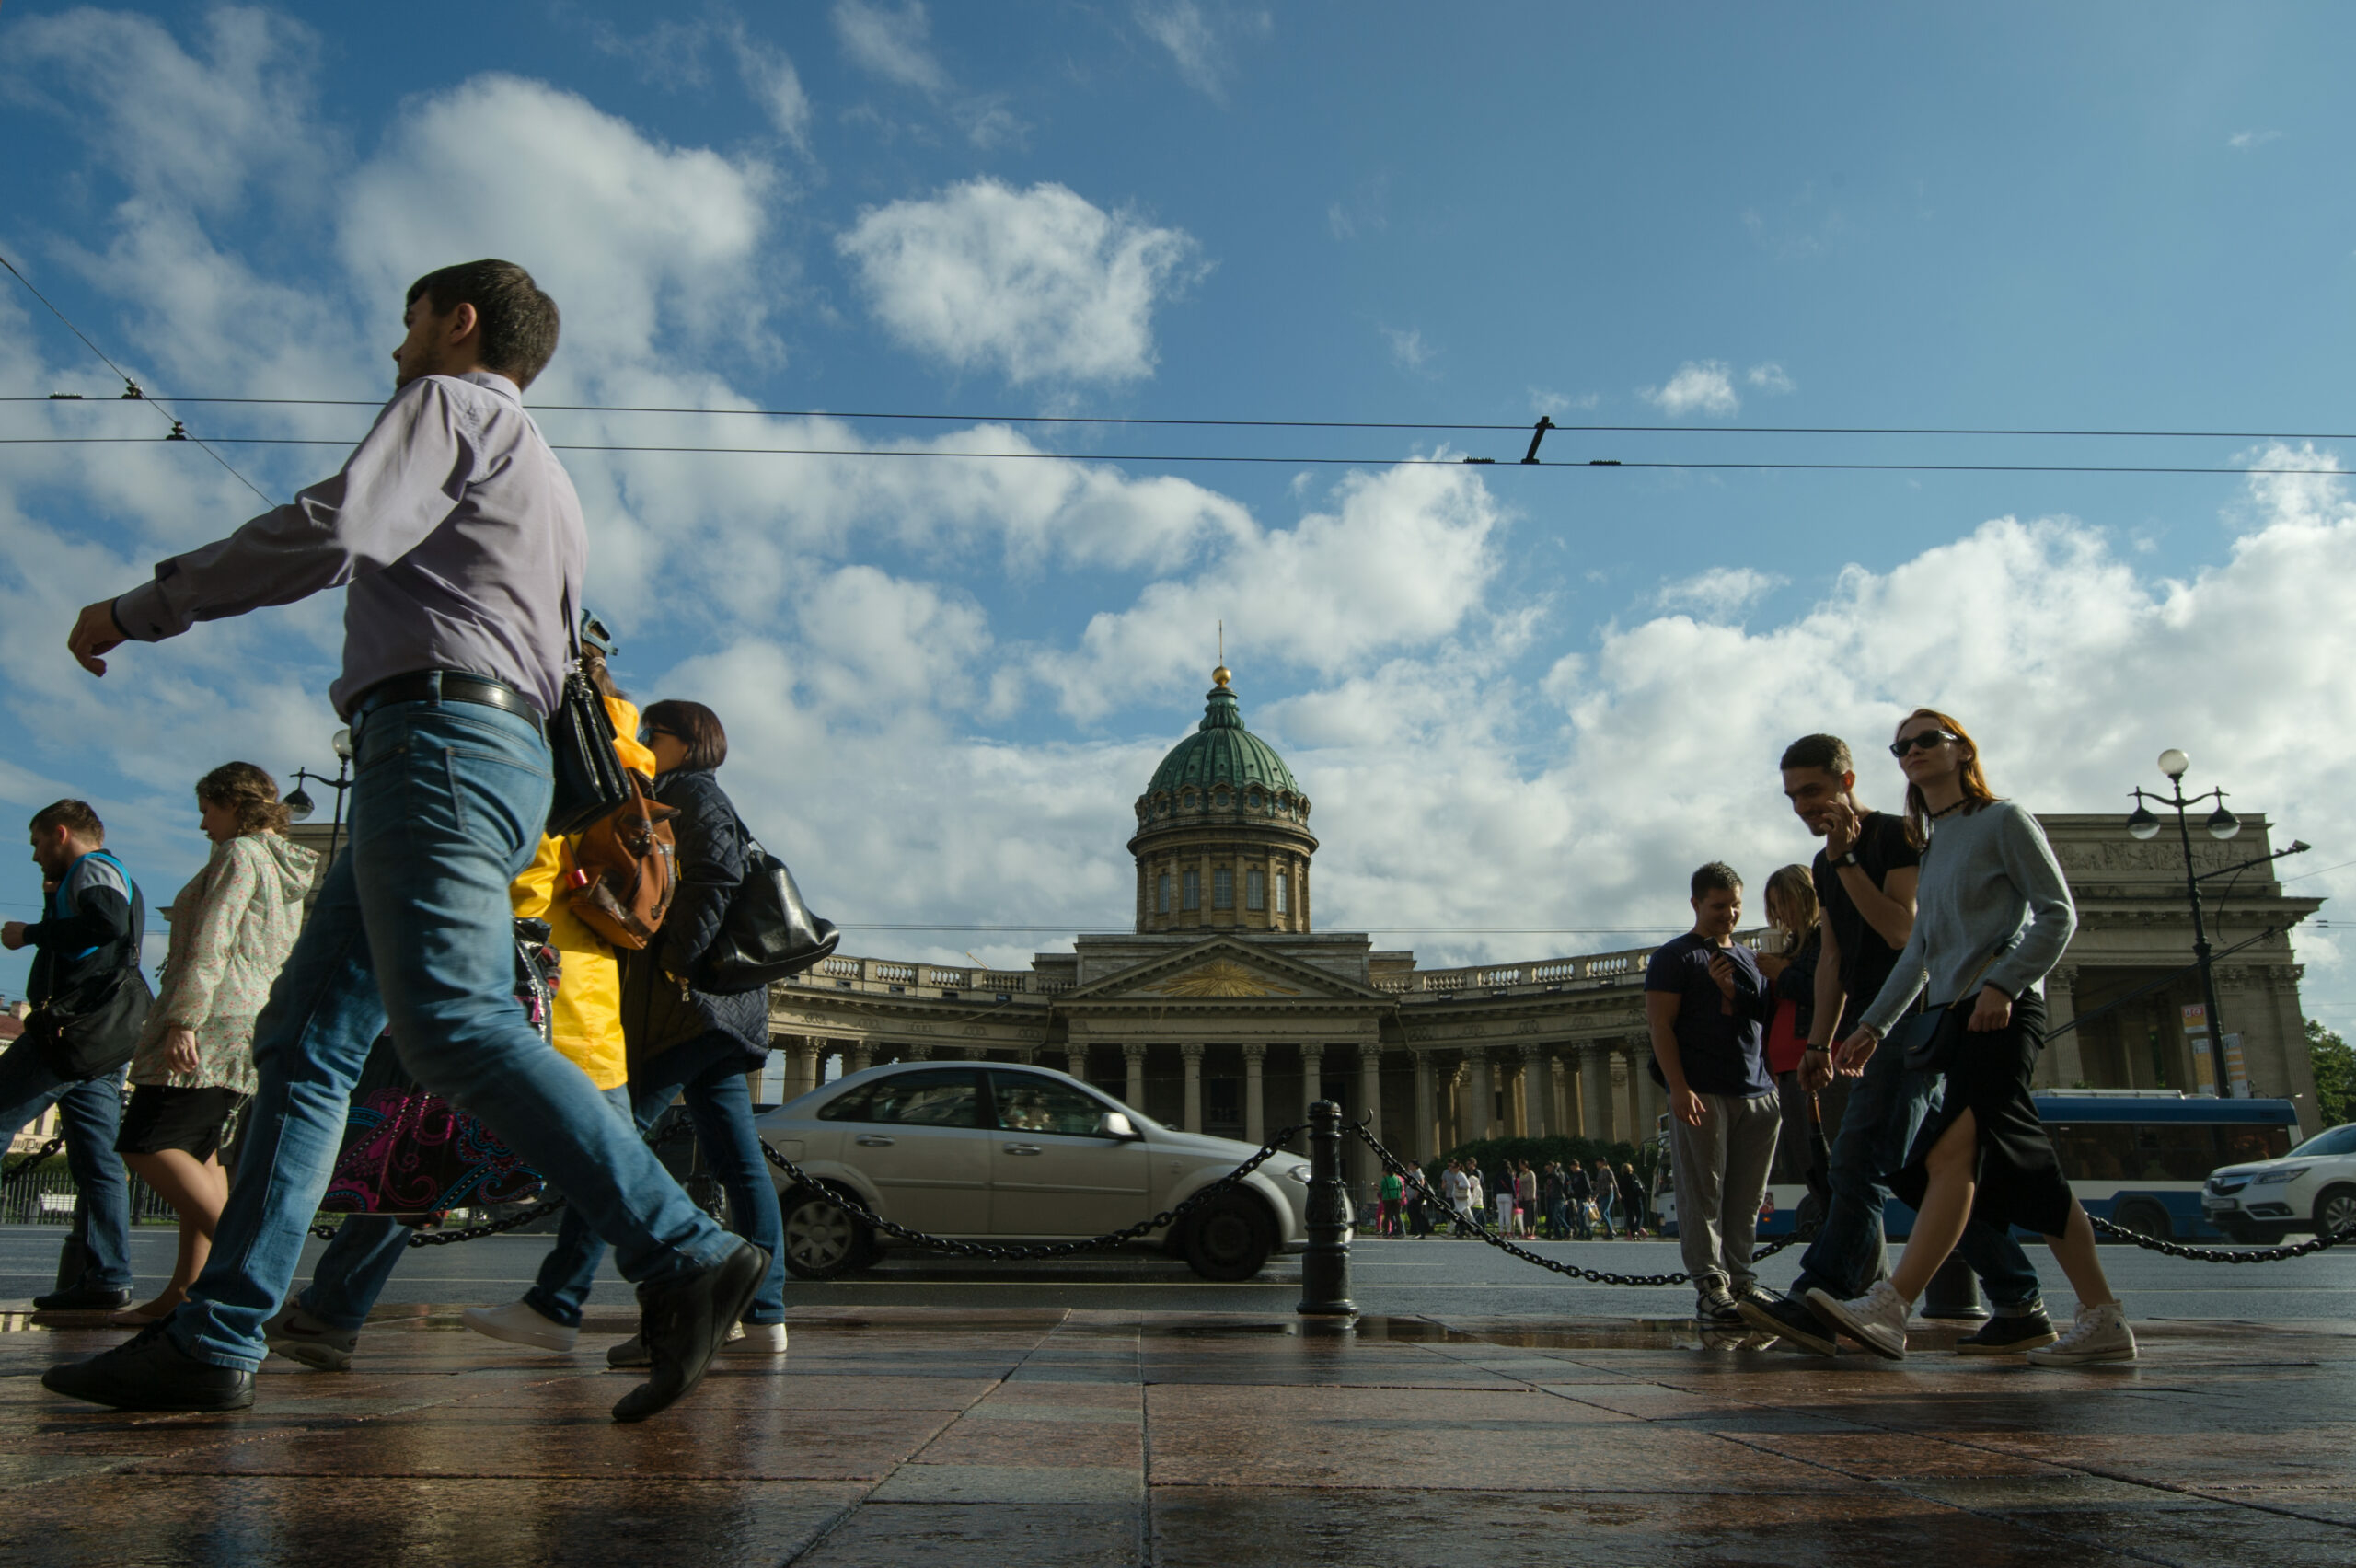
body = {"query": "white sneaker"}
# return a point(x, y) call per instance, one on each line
point(2100, 1335)
point(1876, 1320)
point(519, 1322)
point(759, 1339)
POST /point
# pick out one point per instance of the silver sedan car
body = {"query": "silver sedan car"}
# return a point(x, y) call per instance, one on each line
point(988, 1151)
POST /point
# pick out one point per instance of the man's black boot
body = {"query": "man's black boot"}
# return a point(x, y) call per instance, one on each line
point(683, 1324)
point(150, 1371)
point(82, 1299)
point(1789, 1319)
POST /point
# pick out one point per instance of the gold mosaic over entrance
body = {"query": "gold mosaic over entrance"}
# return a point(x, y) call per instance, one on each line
point(1222, 979)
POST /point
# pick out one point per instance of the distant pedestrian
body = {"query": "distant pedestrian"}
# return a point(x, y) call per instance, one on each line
point(1525, 1199)
point(233, 926)
point(1578, 1198)
point(1603, 1187)
point(1631, 1200)
point(1390, 1196)
point(92, 918)
point(1558, 1222)
point(1993, 916)
point(1704, 1004)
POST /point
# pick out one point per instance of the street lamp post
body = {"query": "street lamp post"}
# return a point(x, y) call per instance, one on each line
point(299, 805)
point(2223, 825)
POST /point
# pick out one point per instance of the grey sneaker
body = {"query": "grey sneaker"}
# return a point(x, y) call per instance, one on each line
point(1715, 1307)
point(2100, 1335)
point(1876, 1320)
point(298, 1336)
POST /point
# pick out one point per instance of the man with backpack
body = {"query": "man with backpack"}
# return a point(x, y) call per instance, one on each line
point(92, 920)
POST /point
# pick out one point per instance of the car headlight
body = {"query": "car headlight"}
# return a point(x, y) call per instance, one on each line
point(2274, 1177)
point(1299, 1173)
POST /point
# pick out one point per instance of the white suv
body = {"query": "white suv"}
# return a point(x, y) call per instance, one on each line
point(994, 1152)
point(2311, 1188)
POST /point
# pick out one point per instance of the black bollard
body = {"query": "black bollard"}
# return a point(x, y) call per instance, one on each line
point(1953, 1292)
point(1326, 1266)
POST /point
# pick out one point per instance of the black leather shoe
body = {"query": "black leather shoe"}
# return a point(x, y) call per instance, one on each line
point(1787, 1318)
point(82, 1299)
point(149, 1371)
point(682, 1322)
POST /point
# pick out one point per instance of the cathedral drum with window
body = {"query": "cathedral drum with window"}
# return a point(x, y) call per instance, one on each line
point(1222, 841)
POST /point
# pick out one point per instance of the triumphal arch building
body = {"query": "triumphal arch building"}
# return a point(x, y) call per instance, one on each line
point(1226, 1011)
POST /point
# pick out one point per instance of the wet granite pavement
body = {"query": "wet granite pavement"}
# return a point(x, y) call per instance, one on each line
point(1046, 1436)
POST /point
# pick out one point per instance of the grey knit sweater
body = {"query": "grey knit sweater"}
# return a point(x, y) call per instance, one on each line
point(1990, 885)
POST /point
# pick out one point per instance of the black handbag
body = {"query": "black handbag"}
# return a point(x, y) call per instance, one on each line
point(93, 1029)
point(1929, 1039)
point(768, 932)
point(585, 771)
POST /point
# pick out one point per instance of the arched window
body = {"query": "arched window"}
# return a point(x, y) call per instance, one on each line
point(1161, 894)
point(1284, 894)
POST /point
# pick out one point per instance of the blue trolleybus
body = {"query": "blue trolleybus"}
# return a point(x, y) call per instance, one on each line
point(2136, 1156)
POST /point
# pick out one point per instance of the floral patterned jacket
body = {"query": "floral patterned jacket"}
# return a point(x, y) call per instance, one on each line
point(233, 926)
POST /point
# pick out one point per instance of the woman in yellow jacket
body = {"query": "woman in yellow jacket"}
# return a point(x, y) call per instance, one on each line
point(322, 1324)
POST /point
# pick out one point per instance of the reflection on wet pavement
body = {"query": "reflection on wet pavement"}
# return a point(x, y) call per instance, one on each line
point(1047, 1436)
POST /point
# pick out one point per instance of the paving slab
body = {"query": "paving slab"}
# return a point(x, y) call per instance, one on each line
point(1110, 1436)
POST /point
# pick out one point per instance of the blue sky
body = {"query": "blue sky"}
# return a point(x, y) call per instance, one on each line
point(1518, 698)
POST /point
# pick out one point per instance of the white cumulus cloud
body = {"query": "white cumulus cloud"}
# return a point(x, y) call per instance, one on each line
point(1721, 590)
point(1039, 285)
point(1770, 377)
point(1700, 386)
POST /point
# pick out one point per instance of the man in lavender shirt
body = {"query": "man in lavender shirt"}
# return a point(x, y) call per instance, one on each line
point(459, 541)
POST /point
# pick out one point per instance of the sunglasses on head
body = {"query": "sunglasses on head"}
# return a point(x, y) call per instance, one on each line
point(1922, 741)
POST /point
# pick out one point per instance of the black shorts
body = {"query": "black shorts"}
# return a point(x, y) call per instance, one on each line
point(160, 1117)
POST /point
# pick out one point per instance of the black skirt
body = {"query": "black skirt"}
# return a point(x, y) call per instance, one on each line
point(2020, 1176)
point(161, 1117)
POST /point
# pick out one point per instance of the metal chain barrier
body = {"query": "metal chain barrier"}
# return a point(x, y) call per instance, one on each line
point(1143, 1227)
point(30, 1163)
point(1408, 1174)
point(2220, 1254)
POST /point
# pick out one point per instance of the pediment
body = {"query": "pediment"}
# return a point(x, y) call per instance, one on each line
point(1222, 969)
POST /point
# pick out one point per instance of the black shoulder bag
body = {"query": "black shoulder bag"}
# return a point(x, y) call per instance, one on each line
point(585, 771)
point(90, 1030)
point(1931, 1039)
point(768, 932)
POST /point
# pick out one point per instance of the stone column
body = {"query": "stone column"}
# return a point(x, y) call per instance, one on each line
point(1312, 1078)
point(1484, 1095)
point(1651, 1098)
point(860, 1057)
point(1427, 1111)
point(915, 1052)
point(1595, 1067)
point(1370, 1097)
point(1255, 1104)
point(1538, 1077)
point(1513, 1090)
point(1194, 1057)
point(1134, 1055)
point(1076, 1061)
point(2064, 1062)
point(1632, 1096)
point(1569, 1120)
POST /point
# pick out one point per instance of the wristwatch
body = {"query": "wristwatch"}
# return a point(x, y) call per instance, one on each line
point(1848, 860)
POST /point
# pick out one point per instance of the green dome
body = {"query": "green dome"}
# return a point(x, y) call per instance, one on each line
point(1222, 751)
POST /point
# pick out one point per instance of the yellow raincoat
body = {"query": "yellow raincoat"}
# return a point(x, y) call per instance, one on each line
point(587, 1018)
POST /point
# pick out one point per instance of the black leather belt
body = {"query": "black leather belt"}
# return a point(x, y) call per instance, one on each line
point(445, 686)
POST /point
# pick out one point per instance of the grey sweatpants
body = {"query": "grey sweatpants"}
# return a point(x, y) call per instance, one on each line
point(1721, 1178)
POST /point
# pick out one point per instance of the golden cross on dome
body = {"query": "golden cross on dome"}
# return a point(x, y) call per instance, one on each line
point(1219, 675)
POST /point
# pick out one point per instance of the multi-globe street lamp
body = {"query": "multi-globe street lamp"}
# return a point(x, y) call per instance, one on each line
point(299, 805)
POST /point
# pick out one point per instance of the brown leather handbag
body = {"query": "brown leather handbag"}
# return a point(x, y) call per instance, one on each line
point(625, 869)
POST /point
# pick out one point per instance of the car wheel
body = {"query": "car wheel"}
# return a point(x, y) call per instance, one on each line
point(2144, 1217)
point(2334, 1210)
point(822, 1239)
point(1230, 1241)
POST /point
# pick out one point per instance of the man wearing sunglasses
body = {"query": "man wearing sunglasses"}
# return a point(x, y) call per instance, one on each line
point(1864, 879)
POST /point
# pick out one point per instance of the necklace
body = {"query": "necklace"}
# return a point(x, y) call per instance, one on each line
point(1950, 810)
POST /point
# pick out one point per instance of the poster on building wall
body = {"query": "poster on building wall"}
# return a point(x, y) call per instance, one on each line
point(2235, 1073)
point(2196, 1035)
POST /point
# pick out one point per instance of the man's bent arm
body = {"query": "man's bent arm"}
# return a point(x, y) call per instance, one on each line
point(403, 480)
point(1889, 910)
point(1661, 1009)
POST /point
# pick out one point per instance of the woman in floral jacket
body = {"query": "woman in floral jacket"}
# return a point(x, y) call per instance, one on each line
point(233, 926)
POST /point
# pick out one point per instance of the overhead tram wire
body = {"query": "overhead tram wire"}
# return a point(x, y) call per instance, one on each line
point(133, 392)
point(1293, 462)
point(1519, 428)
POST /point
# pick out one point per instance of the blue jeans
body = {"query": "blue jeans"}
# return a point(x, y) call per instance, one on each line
point(1886, 1109)
point(90, 1114)
point(708, 1073)
point(367, 1248)
point(412, 925)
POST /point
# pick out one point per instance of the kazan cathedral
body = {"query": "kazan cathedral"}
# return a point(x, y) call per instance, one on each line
point(1227, 1011)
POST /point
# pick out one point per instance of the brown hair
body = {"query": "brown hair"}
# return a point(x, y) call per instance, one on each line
point(592, 664)
point(249, 791)
point(696, 725)
point(1797, 888)
point(1976, 792)
point(75, 816)
point(1829, 752)
point(1717, 876)
point(517, 321)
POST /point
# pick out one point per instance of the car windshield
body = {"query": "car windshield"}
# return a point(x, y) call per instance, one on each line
point(2338, 1140)
point(1029, 1103)
point(941, 1097)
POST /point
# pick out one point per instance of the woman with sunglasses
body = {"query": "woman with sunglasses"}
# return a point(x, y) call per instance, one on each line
point(1993, 916)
